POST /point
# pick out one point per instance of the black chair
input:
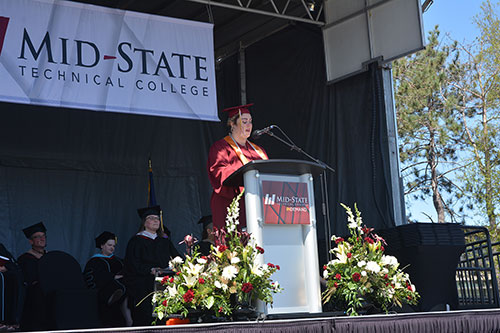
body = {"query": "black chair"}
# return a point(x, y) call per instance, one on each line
point(477, 270)
point(70, 304)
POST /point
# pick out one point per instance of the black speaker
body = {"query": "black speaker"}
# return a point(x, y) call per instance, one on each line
point(429, 253)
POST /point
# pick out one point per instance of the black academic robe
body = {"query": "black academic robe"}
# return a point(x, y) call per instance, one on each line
point(101, 271)
point(33, 317)
point(142, 254)
point(12, 289)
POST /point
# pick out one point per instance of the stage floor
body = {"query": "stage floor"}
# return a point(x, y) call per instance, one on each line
point(485, 320)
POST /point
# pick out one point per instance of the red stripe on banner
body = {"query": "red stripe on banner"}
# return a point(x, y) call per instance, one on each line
point(106, 57)
point(4, 21)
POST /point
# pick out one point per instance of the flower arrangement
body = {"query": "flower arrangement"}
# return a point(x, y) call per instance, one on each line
point(362, 273)
point(229, 276)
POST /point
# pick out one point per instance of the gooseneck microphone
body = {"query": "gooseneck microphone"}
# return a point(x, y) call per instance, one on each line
point(258, 133)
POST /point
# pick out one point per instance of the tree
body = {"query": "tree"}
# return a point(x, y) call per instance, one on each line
point(477, 82)
point(427, 125)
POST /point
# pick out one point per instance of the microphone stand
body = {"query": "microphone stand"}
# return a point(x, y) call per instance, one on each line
point(323, 181)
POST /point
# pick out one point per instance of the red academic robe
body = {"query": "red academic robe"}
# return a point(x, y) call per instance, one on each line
point(222, 162)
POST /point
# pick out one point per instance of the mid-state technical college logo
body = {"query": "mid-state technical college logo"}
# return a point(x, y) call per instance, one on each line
point(4, 21)
point(76, 61)
point(285, 202)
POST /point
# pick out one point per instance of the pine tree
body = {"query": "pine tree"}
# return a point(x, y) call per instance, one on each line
point(427, 125)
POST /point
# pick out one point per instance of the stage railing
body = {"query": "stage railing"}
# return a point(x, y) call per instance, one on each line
point(476, 275)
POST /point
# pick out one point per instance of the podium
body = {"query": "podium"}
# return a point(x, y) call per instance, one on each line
point(281, 216)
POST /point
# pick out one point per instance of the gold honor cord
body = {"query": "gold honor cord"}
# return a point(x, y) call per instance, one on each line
point(161, 220)
point(229, 139)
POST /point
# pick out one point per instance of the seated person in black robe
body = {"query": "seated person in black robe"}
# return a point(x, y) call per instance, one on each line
point(12, 291)
point(148, 252)
point(33, 317)
point(104, 271)
point(207, 235)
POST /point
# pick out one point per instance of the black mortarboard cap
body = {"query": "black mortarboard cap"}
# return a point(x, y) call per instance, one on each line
point(103, 238)
point(37, 227)
point(232, 111)
point(205, 220)
point(146, 211)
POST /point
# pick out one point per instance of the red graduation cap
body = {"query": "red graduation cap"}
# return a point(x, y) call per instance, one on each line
point(235, 109)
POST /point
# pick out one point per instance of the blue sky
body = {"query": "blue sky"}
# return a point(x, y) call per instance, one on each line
point(455, 18)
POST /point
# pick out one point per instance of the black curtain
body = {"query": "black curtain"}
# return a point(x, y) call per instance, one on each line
point(82, 172)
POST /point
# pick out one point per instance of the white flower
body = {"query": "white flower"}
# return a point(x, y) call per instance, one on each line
point(373, 266)
point(352, 225)
point(341, 253)
point(361, 263)
point(235, 260)
point(229, 272)
point(172, 291)
point(363, 273)
point(220, 285)
point(325, 274)
point(257, 269)
point(389, 261)
point(176, 260)
point(194, 269)
point(201, 261)
point(190, 280)
point(155, 298)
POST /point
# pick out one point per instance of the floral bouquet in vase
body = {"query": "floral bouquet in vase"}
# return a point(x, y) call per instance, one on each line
point(362, 274)
point(229, 278)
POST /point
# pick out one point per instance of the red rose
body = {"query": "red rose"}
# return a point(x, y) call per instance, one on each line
point(201, 281)
point(204, 257)
point(382, 249)
point(335, 284)
point(188, 296)
point(409, 288)
point(222, 248)
point(246, 287)
point(164, 302)
point(349, 255)
point(386, 277)
point(172, 279)
point(324, 267)
point(338, 240)
point(338, 276)
point(270, 265)
point(369, 240)
point(278, 267)
point(178, 273)
point(356, 277)
point(261, 250)
point(164, 280)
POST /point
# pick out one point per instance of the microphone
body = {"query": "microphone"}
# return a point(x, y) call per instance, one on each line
point(257, 133)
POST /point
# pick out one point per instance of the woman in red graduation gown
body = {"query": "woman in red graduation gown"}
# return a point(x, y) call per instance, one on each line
point(228, 155)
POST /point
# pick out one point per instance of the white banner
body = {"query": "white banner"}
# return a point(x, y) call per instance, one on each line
point(68, 54)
